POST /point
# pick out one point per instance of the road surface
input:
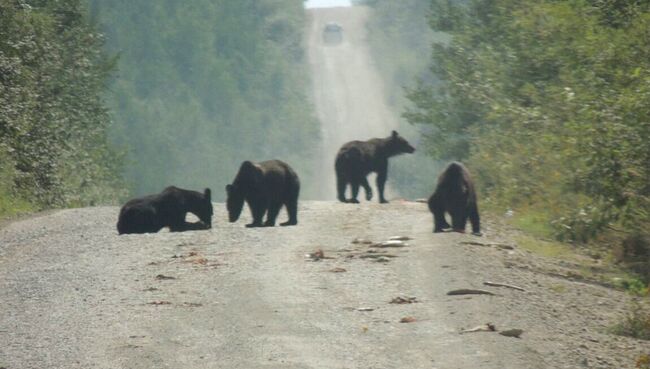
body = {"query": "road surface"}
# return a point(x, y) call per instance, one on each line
point(75, 294)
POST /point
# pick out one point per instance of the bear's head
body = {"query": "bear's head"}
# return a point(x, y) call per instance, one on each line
point(234, 202)
point(398, 145)
point(204, 208)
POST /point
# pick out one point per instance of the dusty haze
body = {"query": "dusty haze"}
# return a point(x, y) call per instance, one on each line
point(347, 90)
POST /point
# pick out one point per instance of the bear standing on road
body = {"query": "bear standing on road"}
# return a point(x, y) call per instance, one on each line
point(356, 159)
point(455, 195)
point(265, 187)
point(149, 214)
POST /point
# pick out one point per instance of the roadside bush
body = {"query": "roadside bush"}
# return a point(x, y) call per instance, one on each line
point(581, 225)
point(633, 251)
point(636, 324)
point(10, 202)
point(53, 121)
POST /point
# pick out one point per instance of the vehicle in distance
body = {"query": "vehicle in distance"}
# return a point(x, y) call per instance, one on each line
point(332, 33)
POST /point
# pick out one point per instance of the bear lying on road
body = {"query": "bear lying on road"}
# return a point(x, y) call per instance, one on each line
point(455, 194)
point(265, 186)
point(149, 214)
point(356, 159)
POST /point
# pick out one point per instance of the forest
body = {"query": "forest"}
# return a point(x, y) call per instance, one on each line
point(101, 100)
point(203, 85)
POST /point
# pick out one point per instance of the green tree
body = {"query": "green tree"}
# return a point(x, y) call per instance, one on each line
point(204, 85)
point(53, 122)
point(548, 103)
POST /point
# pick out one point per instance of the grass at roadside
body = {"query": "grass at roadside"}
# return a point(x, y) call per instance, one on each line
point(636, 324)
point(594, 262)
point(11, 207)
point(552, 249)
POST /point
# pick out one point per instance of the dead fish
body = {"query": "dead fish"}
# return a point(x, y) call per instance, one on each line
point(487, 327)
point(512, 332)
point(400, 238)
point(391, 243)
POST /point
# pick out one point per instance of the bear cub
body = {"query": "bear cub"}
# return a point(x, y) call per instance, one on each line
point(455, 195)
point(265, 187)
point(149, 214)
point(356, 159)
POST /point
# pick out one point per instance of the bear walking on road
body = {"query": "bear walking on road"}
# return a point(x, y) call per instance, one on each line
point(149, 214)
point(265, 187)
point(356, 159)
point(455, 195)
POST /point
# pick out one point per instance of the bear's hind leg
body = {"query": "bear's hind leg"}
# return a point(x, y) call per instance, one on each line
point(272, 214)
point(382, 175)
point(143, 221)
point(292, 210)
point(445, 224)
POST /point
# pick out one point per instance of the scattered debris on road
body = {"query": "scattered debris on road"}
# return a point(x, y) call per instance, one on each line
point(338, 270)
point(512, 333)
point(404, 300)
point(161, 277)
point(363, 241)
point(365, 309)
point(408, 319)
point(399, 238)
point(200, 261)
point(317, 255)
point(494, 284)
point(192, 304)
point(161, 302)
point(390, 243)
point(465, 291)
point(491, 244)
point(487, 327)
point(375, 255)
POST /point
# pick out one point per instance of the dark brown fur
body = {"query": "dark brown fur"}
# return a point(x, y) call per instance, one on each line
point(356, 159)
point(150, 214)
point(455, 194)
point(265, 187)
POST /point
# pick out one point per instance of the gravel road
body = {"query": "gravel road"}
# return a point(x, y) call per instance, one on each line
point(76, 295)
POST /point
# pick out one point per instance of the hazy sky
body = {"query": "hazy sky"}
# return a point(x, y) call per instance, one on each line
point(326, 3)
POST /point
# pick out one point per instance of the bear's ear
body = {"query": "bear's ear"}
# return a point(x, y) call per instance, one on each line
point(247, 165)
point(228, 189)
point(394, 134)
point(208, 194)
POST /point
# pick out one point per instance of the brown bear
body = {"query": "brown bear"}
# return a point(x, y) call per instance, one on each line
point(455, 195)
point(149, 214)
point(265, 187)
point(356, 159)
